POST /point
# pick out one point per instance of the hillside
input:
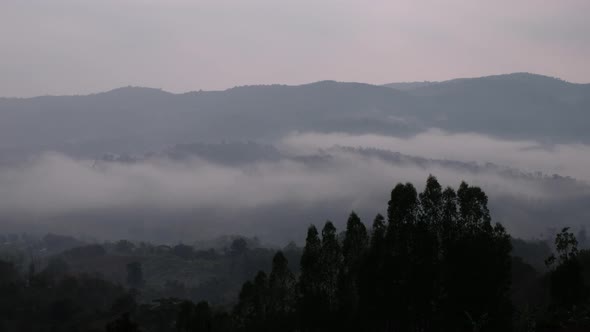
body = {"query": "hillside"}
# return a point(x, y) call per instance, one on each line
point(130, 119)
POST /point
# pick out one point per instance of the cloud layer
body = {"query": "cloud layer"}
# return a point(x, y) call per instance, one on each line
point(563, 159)
point(195, 198)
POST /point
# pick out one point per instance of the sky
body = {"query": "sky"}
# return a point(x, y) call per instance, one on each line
point(82, 46)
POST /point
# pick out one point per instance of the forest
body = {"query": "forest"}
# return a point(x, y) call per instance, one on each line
point(435, 262)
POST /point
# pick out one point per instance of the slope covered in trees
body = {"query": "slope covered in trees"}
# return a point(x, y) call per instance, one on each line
point(130, 119)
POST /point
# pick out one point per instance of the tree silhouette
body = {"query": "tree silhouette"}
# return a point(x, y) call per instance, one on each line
point(252, 308)
point(431, 201)
point(354, 250)
point(330, 265)
point(282, 294)
point(378, 233)
point(310, 280)
point(477, 268)
point(355, 242)
point(402, 214)
point(567, 282)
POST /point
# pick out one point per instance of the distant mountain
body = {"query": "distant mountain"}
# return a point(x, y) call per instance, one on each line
point(520, 105)
point(501, 84)
point(522, 77)
point(409, 86)
point(135, 120)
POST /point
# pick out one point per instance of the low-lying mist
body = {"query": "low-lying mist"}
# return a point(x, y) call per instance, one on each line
point(311, 177)
point(531, 156)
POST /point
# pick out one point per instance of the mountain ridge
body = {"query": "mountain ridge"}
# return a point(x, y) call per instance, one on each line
point(418, 84)
point(132, 119)
point(510, 76)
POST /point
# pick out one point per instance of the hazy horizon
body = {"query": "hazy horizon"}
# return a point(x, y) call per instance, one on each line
point(181, 45)
point(293, 85)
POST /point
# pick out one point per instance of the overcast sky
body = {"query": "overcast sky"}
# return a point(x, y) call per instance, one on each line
point(82, 46)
